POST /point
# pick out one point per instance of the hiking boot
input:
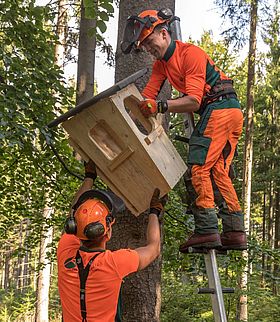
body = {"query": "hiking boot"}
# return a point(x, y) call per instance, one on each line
point(201, 241)
point(234, 240)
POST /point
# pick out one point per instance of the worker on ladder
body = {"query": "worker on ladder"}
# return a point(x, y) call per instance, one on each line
point(89, 276)
point(210, 93)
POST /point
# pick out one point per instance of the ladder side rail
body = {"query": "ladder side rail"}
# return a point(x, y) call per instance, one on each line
point(214, 282)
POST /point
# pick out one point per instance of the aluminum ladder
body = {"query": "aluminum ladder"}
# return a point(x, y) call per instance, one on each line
point(214, 284)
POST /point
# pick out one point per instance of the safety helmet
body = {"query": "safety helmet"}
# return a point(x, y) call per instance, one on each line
point(138, 28)
point(93, 214)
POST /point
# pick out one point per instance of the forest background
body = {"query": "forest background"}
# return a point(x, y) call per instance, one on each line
point(39, 174)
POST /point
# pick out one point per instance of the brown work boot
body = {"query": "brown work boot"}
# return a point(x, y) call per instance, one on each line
point(235, 240)
point(201, 241)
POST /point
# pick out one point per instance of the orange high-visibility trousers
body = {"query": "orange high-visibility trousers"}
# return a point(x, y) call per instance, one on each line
point(224, 125)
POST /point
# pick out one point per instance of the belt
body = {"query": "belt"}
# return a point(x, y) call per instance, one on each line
point(223, 89)
point(225, 96)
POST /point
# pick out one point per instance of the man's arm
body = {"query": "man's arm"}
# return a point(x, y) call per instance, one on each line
point(149, 253)
point(183, 104)
point(90, 176)
point(150, 107)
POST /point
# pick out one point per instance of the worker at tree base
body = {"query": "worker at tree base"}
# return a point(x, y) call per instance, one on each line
point(89, 276)
point(209, 92)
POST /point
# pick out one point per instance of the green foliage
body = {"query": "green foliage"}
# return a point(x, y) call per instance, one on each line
point(16, 306)
point(32, 92)
point(238, 14)
point(101, 12)
point(182, 303)
point(219, 53)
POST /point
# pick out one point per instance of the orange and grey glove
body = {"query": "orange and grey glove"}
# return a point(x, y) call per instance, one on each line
point(150, 107)
point(157, 204)
point(90, 170)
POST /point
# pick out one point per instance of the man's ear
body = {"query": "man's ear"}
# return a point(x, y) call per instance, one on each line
point(109, 234)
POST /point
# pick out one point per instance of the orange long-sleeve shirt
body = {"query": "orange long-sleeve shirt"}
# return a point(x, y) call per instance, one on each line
point(188, 69)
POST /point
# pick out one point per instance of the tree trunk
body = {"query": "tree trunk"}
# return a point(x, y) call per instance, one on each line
point(44, 276)
point(86, 58)
point(7, 268)
point(26, 267)
point(270, 228)
point(276, 242)
point(2, 269)
point(61, 32)
point(18, 266)
point(141, 295)
point(248, 152)
point(263, 240)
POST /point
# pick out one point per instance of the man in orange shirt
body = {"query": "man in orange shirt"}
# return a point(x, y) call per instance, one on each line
point(89, 276)
point(209, 92)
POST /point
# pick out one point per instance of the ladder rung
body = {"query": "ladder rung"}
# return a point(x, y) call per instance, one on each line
point(228, 290)
point(195, 250)
point(207, 290)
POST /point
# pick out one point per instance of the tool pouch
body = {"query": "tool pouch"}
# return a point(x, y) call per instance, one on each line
point(198, 149)
point(199, 144)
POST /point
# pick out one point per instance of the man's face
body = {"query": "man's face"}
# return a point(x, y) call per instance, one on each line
point(156, 44)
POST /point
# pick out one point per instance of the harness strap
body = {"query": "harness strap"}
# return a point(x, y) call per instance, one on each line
point(221, 89)
point(83, 274)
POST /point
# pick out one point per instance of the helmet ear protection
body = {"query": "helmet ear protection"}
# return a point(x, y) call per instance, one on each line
point(96, 229)
point(70, 225)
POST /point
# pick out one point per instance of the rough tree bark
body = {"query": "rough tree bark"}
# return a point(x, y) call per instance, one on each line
point(86, 58)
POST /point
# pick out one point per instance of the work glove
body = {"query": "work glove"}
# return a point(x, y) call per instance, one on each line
point(150, 107)
point(90, 170)
point(157, 204)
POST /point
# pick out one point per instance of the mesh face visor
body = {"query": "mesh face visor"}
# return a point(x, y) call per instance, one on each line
point(133, 29)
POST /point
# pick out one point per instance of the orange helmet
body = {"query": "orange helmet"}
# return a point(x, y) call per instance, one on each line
point(93, 214)
point(138, 28)
point(153, 19)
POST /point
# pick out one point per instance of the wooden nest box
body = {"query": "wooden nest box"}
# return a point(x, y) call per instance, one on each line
point(133, 156)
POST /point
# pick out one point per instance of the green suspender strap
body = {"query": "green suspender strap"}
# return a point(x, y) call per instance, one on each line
point(83, 274)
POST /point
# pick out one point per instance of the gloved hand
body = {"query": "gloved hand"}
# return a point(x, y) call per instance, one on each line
point(157, 204)
point(90, 170)
point(150, 107)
